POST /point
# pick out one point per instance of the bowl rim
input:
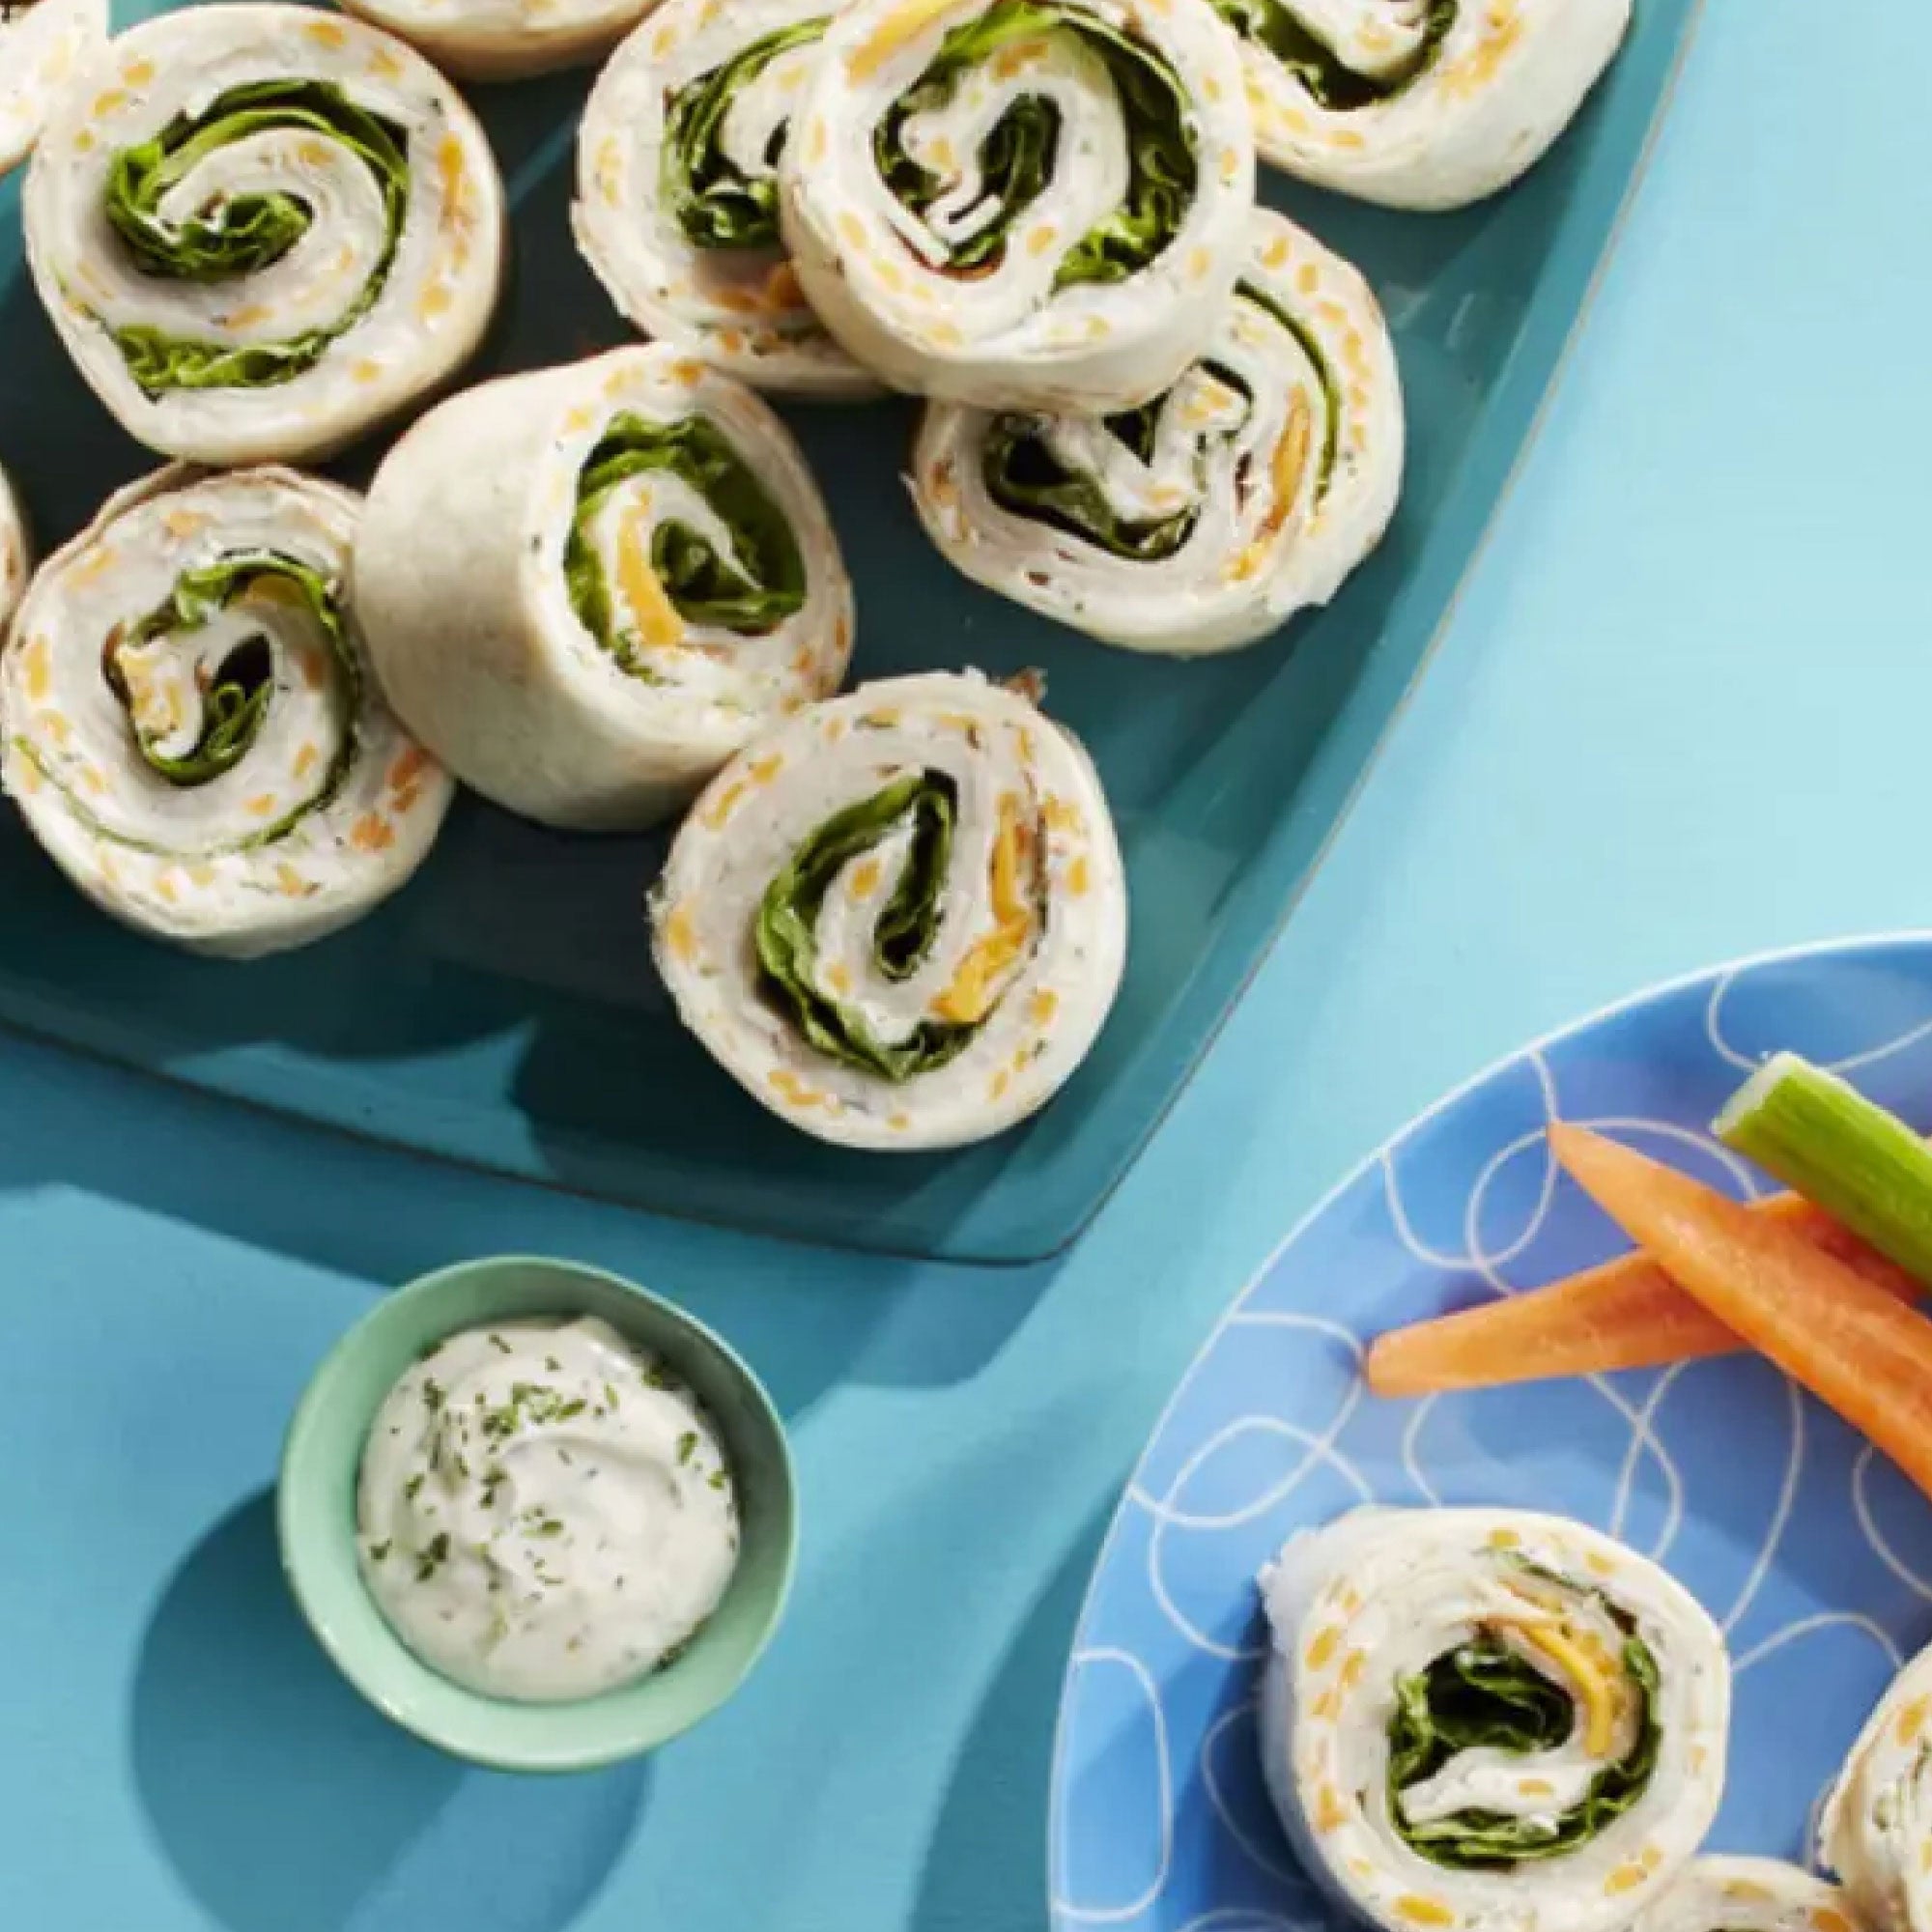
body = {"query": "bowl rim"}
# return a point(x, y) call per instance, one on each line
point(295, 1546)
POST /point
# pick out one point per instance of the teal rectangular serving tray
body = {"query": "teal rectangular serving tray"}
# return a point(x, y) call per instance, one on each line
point(504, 1009)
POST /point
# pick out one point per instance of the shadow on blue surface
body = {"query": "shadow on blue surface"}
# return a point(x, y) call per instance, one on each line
point(285, 1804)
point(807, 1318)
point(986, 1862)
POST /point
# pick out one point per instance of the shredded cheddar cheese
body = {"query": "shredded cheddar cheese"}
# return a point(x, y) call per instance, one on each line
point(970, 995)
point(659, 626)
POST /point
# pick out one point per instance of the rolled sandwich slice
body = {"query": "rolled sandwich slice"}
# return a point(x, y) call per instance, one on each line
point(1731, 1895)
point(1419, 104)
point(587, 587)
point(1022, 204)
point(677, 190)
point(14, 553)
point(261, 229)
point(192, 729)
point(1489, 1719)
point(41, 42)
point(1876, 1831)
point(900, 919)
point(505, 40)
point(1205, 518)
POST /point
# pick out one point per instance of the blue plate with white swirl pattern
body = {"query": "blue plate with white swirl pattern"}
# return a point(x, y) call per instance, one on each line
point(1813, 1553)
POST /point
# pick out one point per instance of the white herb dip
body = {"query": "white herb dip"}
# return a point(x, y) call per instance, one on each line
point(545, 1511)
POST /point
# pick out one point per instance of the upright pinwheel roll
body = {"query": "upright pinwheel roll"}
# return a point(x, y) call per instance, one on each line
point(13, 554)
point(1725, 1894)
point(1489, 1719)
point(1204, 519)
point(1876, 1833)
point(261, 229)
point(1419, 104)
point(900, 919)
point(678, 190)
point(1027, 204)
point(41, 42)
point(191, 726)
point(586, 589)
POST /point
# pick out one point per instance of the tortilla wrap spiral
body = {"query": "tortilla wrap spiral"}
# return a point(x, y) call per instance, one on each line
point(1419, 104)
point(1489, 1719)
point(1203, 521)
point(260, 230)
point(898, 920)
point(586, 588)
point(676, 206)
point(1027, 204)
point(192, 727)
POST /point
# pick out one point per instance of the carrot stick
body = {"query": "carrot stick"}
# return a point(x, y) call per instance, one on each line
point(1855, 1347)
point(1625, 1314)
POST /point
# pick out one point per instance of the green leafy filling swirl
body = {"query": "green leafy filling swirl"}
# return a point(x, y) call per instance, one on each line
point(1017, 156)
point(788, 922)
point(753, 596)
point(1024, 475)
point(241, 234)
point(710, 197)
point(1483, 1693)
point(238, 695)
point(1275, 25)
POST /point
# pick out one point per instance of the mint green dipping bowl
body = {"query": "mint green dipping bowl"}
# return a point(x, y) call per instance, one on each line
point(315, 1517)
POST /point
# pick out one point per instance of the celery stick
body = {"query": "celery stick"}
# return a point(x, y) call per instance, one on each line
point(1865, 1167)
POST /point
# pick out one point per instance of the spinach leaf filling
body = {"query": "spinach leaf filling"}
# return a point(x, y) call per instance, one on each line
point(235, 702)
point(787, 921)
point(753, 596)
point(1016, 158)
point(1483, 1693)
point(709, 196)
point(241, 234)
point(240, 694)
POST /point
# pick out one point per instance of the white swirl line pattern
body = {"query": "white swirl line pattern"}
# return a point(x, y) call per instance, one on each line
point(1754, 1516)
point(1748, 1062)
point(1806, 1626)
point(1119, 1915)
point(1781, 1520)
point(1320, 1453)
point(1868, 1523)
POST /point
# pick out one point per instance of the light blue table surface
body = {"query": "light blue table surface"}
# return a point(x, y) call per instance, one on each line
point(1678, 716)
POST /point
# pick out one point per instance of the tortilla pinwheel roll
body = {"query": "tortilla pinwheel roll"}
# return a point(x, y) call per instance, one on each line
point(192, 727)
point(41, 44)
point(505, 40)
point(261, 229)
point(1489, 1719)
point(1876, 1833)
point(677, 190)
point(1732, 1894)
point(14, 553)
point(1205, 518)
point(1027, 204)
point(900, 919)
point(1419, 104)
point(586, 589)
